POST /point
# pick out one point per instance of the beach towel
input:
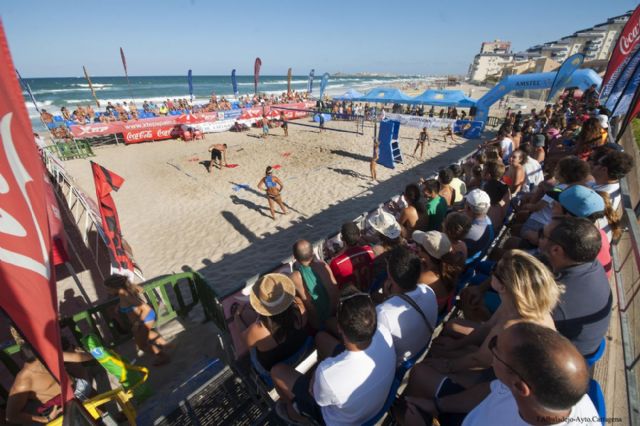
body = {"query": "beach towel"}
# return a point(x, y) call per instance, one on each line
point(240, 186)
point(232, 166)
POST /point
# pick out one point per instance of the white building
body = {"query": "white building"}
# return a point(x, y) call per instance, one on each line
point(487, 64)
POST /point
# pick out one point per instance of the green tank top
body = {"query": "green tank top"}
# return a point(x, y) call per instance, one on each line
point(316, 290)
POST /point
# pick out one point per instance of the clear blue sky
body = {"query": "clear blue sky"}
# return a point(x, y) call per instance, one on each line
point(165, 37)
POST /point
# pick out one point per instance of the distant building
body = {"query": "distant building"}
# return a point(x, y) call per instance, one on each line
point(596, 43)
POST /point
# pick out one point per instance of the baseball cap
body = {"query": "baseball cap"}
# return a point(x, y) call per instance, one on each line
point(385, 223)
point(581, 201)
point(478, 198)
point(435, 243)
point(603, 120)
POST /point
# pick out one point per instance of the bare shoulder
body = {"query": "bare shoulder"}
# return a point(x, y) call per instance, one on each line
point(22, 383)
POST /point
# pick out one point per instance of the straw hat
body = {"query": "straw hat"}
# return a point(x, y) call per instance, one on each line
point(272, 294)
point(385, 223)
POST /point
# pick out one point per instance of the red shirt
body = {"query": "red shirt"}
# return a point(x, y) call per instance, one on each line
point(604, 256)
point(354, 266)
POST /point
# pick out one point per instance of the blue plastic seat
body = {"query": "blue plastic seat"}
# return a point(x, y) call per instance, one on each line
point(58, 118)
point(592, 359)
point(597, 397)
point(395, 385)
point(69, 123)
point(51, 126)
point(293, 360)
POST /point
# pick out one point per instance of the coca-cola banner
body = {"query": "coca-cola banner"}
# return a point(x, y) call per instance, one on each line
point(145, 135)
point(102, 129)
point(625, 46)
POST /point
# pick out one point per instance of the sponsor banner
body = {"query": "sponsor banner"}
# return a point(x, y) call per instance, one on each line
point(145, 135)
point(216, 127)
point(625, 47)
point(563, 76)
point(231, 114)
point(421, 122)
point(624, 87)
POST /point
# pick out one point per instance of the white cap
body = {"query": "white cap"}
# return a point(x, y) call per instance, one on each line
point(478, 198)
point(604, 121)
point(385, 223)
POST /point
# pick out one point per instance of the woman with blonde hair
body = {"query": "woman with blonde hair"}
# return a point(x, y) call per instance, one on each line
point(461, 356)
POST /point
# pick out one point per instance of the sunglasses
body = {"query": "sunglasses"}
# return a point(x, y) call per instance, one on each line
point(493, 343)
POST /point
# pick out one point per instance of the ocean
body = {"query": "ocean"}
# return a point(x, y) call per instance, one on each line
point(54, 93)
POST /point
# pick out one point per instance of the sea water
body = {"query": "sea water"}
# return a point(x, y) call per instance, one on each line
point(54, 93)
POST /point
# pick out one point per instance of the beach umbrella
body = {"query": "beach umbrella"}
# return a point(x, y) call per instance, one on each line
point(189, 119)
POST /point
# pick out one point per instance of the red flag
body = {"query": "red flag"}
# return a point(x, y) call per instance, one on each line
point(256, 74)
point(27, 282)
point(623, 50)
point(289, 82)
point(107, 181)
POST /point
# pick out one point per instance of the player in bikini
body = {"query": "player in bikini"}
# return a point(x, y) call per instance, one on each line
point(273, 186)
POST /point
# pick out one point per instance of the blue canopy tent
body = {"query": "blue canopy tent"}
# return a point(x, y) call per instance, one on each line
point(349, 95)
point(385, 95)
point(455, 98)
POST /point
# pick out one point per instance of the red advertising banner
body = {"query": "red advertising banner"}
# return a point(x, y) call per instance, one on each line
point(107, 181)
point(28, 286)
point(145, 135)
point(626, 44)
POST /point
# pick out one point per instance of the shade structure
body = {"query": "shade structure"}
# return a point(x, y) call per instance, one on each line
point(444, 98)
point(385, 95)
point(349, 95)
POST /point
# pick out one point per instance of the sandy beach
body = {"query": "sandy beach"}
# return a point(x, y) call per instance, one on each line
point(176, 216)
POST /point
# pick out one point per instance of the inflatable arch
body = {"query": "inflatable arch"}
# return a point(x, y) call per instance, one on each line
point(581, 79)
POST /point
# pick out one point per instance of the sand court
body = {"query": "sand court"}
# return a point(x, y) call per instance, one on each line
point(177, 216)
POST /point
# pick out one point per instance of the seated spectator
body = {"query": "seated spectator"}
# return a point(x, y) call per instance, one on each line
point(516, 176)
point(315, 285)
point(571, 246)
point(539, 375)
point(46, 116)
point(458, 185)
point(445, 176)
point(279, 331)
point(481, 234)
point(498, 191)
point(164, 109)
point(534, 174)
point(64, 112)
point(351, 384)
point(387, 235)
point(414, 215)
point(410, 311)
point(456, 226)
point(589, 138)
point(35, 383)
point(353, 265)
point(462, 356)
point(436, 207)
point(439, 266)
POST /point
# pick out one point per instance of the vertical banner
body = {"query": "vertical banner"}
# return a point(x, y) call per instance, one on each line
point(619, 100)
point(107, 181)
point(126, 73)
point(323, 83)
point(563, 76)
point(29, 92)
point(623, 50)
point(256, 75)
point(310, 82)
point(93, 92)
point(234, 83)
point(27, 284)
point(289, 82)
point(190, 82)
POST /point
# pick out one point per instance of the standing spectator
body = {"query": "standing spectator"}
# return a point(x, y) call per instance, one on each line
point(354, 264)
point(436, 205)
point(457, 184)
point(445, 176)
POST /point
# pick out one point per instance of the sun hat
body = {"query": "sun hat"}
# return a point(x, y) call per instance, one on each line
point(385, 223)
point(581, 201)
point(272, 294)
point(603, 120)
point(478, 198)
point(435, 243)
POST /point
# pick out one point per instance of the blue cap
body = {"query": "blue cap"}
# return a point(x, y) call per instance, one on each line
point(581, 201)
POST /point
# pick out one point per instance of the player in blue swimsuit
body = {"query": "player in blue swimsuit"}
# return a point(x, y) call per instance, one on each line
point(140, 314)
point(273, 186)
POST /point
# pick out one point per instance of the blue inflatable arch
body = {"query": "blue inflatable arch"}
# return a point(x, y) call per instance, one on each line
point(581, 79)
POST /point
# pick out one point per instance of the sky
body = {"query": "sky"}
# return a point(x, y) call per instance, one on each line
point(166, 37)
